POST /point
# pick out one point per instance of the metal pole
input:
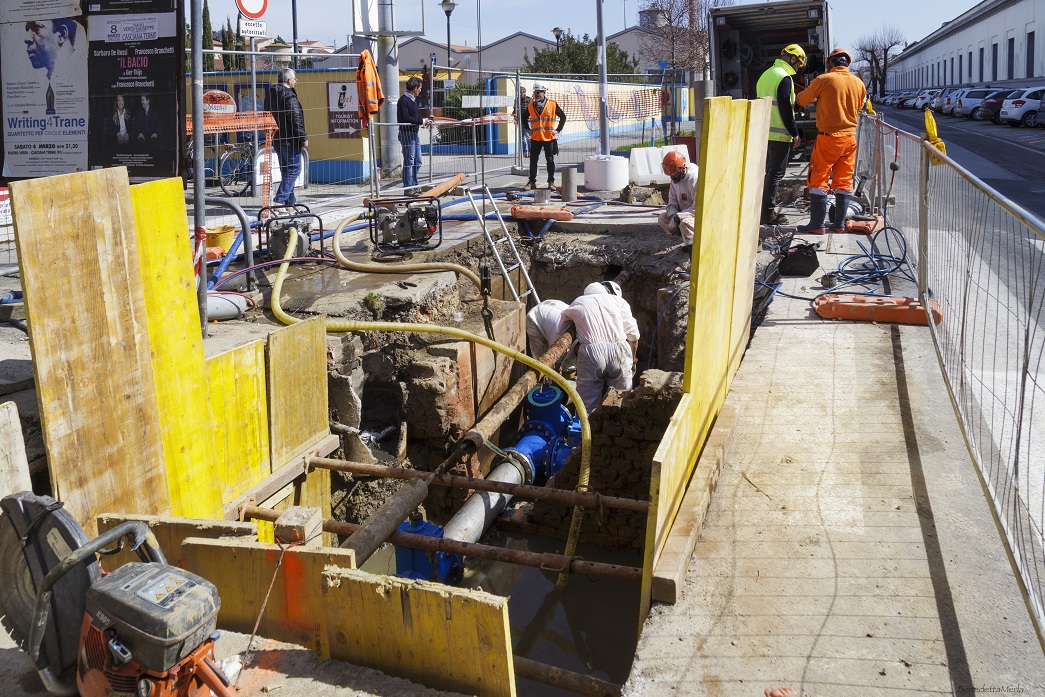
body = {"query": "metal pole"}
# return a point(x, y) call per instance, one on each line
point(431, 139)
point(475, 149)
point(604, 102)
point(923, 223)
point(254, 106)
point(518, 120)
point(199, 175)
point(294, 29)
point(388, 68)
point(448, 44)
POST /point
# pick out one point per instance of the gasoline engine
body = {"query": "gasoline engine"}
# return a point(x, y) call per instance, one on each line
point(402, 224)
point(145, 630)
point(290, 225)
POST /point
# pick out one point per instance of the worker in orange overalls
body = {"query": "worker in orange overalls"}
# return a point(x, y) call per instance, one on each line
point(540, 117)
point(839, 95)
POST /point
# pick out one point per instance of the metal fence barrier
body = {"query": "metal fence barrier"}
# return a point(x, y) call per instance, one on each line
point(981, 258)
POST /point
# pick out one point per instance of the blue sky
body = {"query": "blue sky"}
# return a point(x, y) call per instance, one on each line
point(331, 21)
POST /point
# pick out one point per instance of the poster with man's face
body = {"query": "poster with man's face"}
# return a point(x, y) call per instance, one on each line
point(44, 96)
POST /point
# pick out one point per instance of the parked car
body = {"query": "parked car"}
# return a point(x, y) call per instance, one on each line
point(1041, 114)
point(1021, 107)
point(923, 99)
point(990, 107)
point(907, 99)
point(939, 100)
point(969, 101)
point(949, 101)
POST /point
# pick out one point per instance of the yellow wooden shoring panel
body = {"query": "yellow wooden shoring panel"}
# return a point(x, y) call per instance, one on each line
point(86, 313)
point(297, 374)
point(170, 532)
point(173, 320)
point(239, 418)
point(242, 572)
point(747, 241)
point(394, 625)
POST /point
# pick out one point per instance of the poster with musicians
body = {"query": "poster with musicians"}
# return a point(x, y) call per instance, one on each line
point(134, 93)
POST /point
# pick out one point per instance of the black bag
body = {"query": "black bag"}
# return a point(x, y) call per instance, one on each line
point(801, 260)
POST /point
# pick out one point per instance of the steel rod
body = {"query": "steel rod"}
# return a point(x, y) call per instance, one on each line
point(564, 679)
point(555, 563)
point(564, 496)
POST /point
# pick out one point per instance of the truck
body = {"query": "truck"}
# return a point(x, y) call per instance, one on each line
point(744, 40)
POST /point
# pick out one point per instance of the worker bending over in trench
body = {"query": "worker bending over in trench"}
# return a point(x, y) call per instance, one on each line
point(677, 218)
point(607, 341)
point(542, 325)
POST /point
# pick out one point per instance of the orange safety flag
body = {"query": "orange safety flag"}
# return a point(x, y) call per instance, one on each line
point(368, 85)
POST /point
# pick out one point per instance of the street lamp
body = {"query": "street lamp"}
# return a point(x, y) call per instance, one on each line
point(448, 7)
point(558, 31)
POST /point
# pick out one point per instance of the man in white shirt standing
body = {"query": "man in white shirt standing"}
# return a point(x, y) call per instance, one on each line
point(678, 217)
point(607, 341)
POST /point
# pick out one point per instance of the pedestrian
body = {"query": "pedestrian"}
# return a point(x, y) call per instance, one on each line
point(678, 216)
point(666, 117)
point(839, 96)
point(410, 121)
point(777, 83)
point(607, 341)
point(539, 118)
point(524, 105)
point(542, 325)
point(290, 136)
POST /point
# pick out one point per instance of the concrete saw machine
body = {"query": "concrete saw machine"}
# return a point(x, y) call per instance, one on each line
point(146, 629)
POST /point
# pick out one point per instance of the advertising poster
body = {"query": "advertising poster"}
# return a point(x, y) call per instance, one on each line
point(44, 96)
point(134, 93)
point(25, 10)
point(343, 110)
point(139, 6)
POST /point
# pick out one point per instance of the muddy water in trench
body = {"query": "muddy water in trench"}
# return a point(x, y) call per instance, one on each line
point(589, 627)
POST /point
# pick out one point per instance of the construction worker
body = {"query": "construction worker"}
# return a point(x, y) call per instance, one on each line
point(542, 325)
point(539, 118)
point(607, 341)
point(678, 216)
point(839, 95)
point(783, 133)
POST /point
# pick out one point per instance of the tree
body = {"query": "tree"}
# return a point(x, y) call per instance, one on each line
point(678, 33)
point(877, 50)
point(208, 39)
point(575, 56)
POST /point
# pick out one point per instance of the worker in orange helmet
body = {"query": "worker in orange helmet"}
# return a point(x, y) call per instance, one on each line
point(677, 218)
point(839, 96)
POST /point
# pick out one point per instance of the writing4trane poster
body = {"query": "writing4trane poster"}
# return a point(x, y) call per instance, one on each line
point(44, 96)
point(134, 93)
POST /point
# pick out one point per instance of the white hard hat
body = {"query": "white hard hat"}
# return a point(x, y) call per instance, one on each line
point(540, 86)
point(596, 289)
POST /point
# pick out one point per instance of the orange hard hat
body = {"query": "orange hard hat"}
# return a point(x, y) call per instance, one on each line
point(674, 163)
point(840, 52)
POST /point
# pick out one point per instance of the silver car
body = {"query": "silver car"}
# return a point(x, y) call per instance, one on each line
point(967, 102)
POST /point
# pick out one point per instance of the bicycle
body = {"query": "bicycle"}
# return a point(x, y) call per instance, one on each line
point(236, 167)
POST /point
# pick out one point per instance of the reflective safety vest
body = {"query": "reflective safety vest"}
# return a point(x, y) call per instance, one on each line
point(368, 86)
point(542, 125)
point(767, 87)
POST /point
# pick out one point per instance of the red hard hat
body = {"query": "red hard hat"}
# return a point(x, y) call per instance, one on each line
point(673, 163)
point(840, 52)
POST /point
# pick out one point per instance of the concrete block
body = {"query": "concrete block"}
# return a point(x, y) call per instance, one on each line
point(300, 524)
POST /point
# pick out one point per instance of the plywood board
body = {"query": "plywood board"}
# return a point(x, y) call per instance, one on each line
point(443, 637)
point(242, 571)
point(170, 532)
point(297, 387)
point(91, 351)
point(14, 467)
point(239, 418)
point(173, 320)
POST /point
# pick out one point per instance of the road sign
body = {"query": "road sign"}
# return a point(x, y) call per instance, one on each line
point(253, 28)
point(253, 9)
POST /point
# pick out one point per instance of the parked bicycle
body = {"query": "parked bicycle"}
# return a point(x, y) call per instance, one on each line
point(236, 167)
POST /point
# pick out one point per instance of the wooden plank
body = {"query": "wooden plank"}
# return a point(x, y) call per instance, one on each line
point(91, 350)
point(170, 532)
point(393, 624)
point(179, 371)
point(14, 467)
point(239, 418)
point(297, 387)
point(242, 571)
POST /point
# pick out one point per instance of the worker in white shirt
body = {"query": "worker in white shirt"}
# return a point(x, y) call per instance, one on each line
point(542, 326)
point(678, 217)
point(607, 341)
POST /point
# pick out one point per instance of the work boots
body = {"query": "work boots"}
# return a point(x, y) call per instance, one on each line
point(530, 186)
point(817, 213)
point(837, 223)
point(771, 217)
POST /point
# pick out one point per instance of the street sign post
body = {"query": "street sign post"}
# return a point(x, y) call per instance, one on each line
point(253, 9)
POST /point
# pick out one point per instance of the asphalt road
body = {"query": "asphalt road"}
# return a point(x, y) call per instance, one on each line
point(1010, 160)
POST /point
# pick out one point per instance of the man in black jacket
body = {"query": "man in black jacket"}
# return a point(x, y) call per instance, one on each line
point(291, 136)
point(410, 121)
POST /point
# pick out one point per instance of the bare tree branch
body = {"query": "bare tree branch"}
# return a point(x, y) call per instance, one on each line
point(877, 50)
point(679, 34)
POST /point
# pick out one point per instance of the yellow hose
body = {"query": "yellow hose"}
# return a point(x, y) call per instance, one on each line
point(394, 268)
point(345, 325)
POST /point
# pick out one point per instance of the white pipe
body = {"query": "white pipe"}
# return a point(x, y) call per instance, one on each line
point(479, 511)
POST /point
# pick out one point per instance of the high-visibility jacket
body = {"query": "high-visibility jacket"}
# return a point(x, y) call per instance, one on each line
point(542, 125)
point(368, 86)
point(768, 86)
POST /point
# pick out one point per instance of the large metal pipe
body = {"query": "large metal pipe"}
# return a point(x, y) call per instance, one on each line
point(368, 538)
point(199, 176)
point(552, 562)
point(567, 497)
point(479, 511)
point(564, 679)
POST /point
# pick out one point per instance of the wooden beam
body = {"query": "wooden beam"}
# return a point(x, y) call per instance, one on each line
point(170, 532)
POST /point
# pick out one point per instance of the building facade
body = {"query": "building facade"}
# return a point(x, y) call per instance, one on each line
point(995, 42)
